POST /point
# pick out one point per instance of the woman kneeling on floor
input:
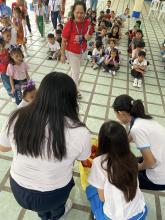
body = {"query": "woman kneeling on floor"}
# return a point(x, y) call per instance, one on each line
point(148, 136)
point(46, 137)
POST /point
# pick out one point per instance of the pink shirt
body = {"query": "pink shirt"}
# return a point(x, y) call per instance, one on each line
point(17, 71)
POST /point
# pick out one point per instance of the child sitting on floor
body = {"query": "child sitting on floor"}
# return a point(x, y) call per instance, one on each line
point(139, 68)
point(115, 33)
point(28, 93)
point(111, 62)
point(54, 47)
point(163, 51)
point(139, 47)
point(97, 54)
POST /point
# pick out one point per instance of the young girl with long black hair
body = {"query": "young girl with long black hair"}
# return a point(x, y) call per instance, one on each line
point(149, 138)
point(114, 192)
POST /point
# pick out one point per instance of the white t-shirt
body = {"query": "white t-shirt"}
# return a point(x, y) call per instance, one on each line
point(150, 134)
point(54, 47)
point(40, 173)
point(143, 63)
point(96, 52)
point(115, 206)
point(55, 5)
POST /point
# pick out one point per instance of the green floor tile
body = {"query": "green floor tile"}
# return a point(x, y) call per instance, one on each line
point(11, 209)
point(154, 98)
point(104, 80)
point(9, 108)
point(100, 99)
point(86, 86)
point(155, 109)
point(102, 89)
point(118, 91)
point(4, 167)
point(83, 107)
point(85, 96)
point(150, 202)
point(97, 111)
point(152, 89)
point(88, 78)
point(94, 124)
point(36, 61)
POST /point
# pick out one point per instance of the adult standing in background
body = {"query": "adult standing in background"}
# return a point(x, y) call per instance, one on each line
point(149, 138)
point(93, 4)
point(55, 12)
point(77, 31)
point(46, 137)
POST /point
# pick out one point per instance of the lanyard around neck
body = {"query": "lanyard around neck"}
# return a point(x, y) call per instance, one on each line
point(81, 31)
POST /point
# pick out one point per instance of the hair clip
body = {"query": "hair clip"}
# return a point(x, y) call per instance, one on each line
point(2, 16)
point(29, 84)
point(12, 47)
point(3, 29)
point(132, 102)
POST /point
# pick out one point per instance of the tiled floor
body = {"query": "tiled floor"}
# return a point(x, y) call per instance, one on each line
point(98, 90)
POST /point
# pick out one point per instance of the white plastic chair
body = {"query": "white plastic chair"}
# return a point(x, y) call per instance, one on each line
point(162, 10)
point(154, 7)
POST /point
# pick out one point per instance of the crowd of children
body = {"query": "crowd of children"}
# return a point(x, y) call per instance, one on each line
point(113, 184)
point(104, 52)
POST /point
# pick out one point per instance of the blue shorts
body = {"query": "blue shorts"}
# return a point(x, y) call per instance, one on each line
point(97, 206)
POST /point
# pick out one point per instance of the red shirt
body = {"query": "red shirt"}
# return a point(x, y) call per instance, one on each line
point(4, 61)
point(71, 33)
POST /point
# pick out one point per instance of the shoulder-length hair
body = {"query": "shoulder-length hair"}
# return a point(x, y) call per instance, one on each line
point(81, 3)
point(54, 108)
point(122, 168)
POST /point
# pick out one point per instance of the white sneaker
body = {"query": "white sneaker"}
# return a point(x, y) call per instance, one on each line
point(13, 100)
point(95, 66)
point(68, 206)
point(113, 73)
point(110, 71)
point(135, 82)
point(139, 83)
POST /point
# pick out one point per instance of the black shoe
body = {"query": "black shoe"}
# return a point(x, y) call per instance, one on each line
point(49, 58)
point(79, 96)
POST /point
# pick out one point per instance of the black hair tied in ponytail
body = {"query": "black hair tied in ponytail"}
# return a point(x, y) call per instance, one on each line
point(128, 104)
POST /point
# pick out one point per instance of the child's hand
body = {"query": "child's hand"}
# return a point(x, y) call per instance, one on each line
point(87, 37)
point(12, 91)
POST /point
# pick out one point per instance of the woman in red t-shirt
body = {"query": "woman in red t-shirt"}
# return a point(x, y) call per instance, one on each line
point(77, 31)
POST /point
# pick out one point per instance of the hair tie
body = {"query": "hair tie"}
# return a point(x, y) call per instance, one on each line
point(29, 84)
point(12, 47)
point(132, 102)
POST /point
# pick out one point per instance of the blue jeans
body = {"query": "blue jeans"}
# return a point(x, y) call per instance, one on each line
point(6, 83)
point(93, 4)
point(49, 205)
point(54, 16)
point(97, 206)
